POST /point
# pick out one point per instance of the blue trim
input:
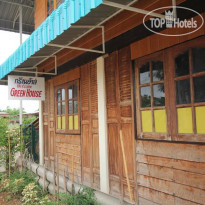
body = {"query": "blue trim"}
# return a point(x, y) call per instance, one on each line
point(60, 20)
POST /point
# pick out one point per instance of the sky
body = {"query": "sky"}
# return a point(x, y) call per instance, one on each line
point(9, 42)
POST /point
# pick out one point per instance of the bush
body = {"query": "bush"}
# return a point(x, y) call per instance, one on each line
point(31, 195)
point(16, 186)
point(23, 184)
point(5, 183)
point(85, 196)
point(27, 176)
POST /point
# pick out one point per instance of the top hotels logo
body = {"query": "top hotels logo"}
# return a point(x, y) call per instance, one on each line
point(175, 26)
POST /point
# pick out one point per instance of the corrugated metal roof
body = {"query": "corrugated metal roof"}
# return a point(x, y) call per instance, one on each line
point(9, 11)
point(58, 29)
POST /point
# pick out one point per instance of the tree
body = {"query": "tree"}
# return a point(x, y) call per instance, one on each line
point(13, 130)
point(12, 111)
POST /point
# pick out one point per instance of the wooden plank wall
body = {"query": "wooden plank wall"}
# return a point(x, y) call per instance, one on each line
point(119, 116)
point(64, 150)
point(155, 42)
point(60, 144)
point(89, 127)
point(170, 173)
point(40, 12)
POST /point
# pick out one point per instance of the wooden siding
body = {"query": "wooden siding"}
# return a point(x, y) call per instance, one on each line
point(64, 149)
point(170, 173)
point(56, 143)
point(166, 173)
point(89, 126)
point(157, 42)
point(119, 116)
point(40, 12)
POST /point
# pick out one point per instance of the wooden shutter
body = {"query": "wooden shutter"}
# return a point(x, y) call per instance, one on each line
point(90, 138)
point(120, 117)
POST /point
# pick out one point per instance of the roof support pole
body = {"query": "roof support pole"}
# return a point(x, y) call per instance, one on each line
point(83, 49)
point(25, 70)
point(20, 31)
point(129, 8)
point(21, 106)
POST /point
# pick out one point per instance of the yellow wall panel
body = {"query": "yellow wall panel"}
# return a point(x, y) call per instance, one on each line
point(75, 122)
point(70, 122)
point(63, 122)
point(160, 121)
point(185, 120)
point(59, 123)
point(200, 119)
point(146, 121)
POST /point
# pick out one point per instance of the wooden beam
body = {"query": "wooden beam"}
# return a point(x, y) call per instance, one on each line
point(55, 4)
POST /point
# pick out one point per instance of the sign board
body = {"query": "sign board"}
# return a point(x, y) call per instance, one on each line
point(26, 88)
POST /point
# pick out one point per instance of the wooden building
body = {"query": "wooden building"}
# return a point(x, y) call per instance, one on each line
point(149, 86)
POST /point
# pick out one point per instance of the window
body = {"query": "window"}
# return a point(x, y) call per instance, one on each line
point(170, 93)
point(189, 80)
point(73, 107)
point(61, 108)
point(151, 92)
point(67, 108)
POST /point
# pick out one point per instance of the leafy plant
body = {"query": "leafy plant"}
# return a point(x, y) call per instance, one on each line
point(8, 198)
point(31, 195)
point(7, 131)
point(12, 130)
point(23, 184)
point(17, 186)
point(27, 176)
point(5, 185)
point(84, 196)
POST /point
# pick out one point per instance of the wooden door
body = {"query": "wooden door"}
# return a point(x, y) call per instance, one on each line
point(120, 117)
point(89, 126)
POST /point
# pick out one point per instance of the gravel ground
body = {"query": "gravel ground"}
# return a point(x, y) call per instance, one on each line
point(3, 201)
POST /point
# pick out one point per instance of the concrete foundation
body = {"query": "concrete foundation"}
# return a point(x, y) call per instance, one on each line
point(50, 186)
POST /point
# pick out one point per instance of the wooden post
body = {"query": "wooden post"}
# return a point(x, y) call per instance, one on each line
point(125, 166)
point(55, 4)
point(29, 159)
point(9, 143)
point(54, 178)
point(21, 136)
point(73, 188)
point(64, 180)
point(57, 170)
point(44, 176)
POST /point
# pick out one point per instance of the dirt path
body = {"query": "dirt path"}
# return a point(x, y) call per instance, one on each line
point(3, 201)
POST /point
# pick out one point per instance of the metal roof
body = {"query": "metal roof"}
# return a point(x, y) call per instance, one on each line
point(65, 25)
point(9, 13)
